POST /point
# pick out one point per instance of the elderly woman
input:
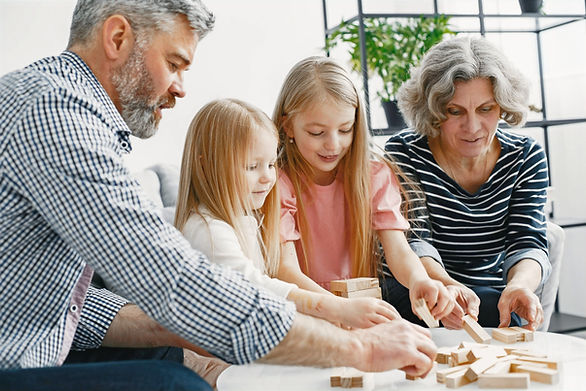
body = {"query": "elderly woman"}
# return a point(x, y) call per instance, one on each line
point(480, 223)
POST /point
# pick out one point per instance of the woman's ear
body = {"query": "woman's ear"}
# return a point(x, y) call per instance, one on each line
point(287, 125)
point(117, 38)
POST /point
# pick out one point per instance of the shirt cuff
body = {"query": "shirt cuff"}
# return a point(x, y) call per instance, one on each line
point(424, 249)
point(537, 255)
point(99, 309)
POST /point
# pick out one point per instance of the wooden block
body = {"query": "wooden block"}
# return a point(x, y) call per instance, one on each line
point(552, 364)
point(472, 345)
point(538, 374)
point(346, 378)
point(475, 330)
point(499, 368)
point(489, 351)
point(440, 376)
point(479, 366)
point(507, 335)
point(353, 284)
point(527, 353)
point(423, 311)
point(443, 354)
point(527, 335)
point(460, 356)
point(508, 380)
point(371, 292)
point(456, 379)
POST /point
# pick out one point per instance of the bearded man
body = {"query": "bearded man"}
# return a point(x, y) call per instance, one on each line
point(68, 206)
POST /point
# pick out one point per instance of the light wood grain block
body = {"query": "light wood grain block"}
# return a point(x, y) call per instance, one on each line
point(507, 335)
point(499, 368)
point(552, 364)
point(440, 375)
point(423, 311)
point(479, 366)
point(539, 374)
point(371, 292)
point(456, 379)
point(353, 284)
point(475, 330)
point(527, 335)
point(460, 356)
point(508, 381)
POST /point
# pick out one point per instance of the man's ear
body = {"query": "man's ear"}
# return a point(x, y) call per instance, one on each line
point(117, 38)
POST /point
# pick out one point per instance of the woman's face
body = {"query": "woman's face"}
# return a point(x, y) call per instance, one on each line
point(472, 118)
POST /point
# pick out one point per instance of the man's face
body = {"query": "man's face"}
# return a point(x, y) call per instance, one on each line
point(152, 77)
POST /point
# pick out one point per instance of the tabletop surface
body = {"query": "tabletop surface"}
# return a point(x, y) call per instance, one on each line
point(569, 351)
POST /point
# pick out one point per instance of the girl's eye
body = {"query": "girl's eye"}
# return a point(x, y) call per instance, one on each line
point(346, 131)
point(251, 167)
point(315, 133)
point(271, 165)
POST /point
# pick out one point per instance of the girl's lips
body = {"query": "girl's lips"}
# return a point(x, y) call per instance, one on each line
point(328, 158)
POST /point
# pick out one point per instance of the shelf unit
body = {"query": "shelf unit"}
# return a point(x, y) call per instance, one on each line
point(541, 24)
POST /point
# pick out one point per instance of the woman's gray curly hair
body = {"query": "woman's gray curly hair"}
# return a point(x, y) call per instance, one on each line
point(424, 97)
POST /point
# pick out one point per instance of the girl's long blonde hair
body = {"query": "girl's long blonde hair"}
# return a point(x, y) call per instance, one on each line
point(213, 173)
point(310, 81)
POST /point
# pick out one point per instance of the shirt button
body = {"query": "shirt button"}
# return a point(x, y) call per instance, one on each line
point(73, 308)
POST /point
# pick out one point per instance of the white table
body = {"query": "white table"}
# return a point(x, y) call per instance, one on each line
point(567, 350)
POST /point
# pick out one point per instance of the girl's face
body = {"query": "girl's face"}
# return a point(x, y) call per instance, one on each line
point(323, 134)
point(261, 173)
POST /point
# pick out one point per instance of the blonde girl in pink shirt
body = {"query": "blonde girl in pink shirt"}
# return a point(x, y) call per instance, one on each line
point(228, 208)
point(338, 199)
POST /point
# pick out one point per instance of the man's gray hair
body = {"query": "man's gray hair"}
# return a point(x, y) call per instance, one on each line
point(144, 16)
point(424, 97)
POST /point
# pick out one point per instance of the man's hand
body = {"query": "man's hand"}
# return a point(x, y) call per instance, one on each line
point(466, 303)
point(524, 303)
point(437, 297)
point(397, 344)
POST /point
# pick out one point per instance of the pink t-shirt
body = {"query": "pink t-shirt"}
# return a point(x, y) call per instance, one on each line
point(327, 215)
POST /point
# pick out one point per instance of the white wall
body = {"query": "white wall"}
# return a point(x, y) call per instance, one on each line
point(256, 42)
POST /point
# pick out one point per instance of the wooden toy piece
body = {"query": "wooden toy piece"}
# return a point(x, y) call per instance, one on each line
point(507, 380)
point(475, 330)
point(552, 364)
point(539, 374)
point(488, 351)
point(527, 353)
point(443, 354)
point(370, 292)
point(409, 377)
point(353, 284)
point(459, 356)
point(423, 311)
point(526, 335)
point(506, 335)
point(479, 366)
point(440, 376)
point(499, 368)
point(456, 379)
point(346, 378)
point(472, 345)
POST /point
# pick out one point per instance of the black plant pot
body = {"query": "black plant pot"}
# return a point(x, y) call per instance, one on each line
point(394, 118)
point(530, 6)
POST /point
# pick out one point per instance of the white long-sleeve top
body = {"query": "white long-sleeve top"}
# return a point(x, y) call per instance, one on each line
point(218, 241)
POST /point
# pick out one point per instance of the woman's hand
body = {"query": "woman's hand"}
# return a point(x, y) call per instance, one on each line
point(439, 300)
point(523, 302)
point(363, 312)
point(466, 303)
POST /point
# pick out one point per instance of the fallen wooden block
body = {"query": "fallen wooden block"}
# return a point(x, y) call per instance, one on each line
point(475, 330)
point(346, 378)
point(552, 364)
point(423, 311)
point(479, 366)
point(526, 335)
point(353, 284)
point(370, 292)
point(459, 356)
point(440, 375)
point(456, 379)
point(539, 374)
point(487, 351)
point(443, 355)
point(499, 368)
point(508, 380)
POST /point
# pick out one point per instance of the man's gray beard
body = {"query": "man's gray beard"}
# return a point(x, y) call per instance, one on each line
point(134, 86)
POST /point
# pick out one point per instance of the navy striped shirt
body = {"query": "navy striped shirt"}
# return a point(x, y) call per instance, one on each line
point(68, 205)
point(479, 236)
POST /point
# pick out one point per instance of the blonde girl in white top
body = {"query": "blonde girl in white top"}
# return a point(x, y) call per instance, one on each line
point(228, 208)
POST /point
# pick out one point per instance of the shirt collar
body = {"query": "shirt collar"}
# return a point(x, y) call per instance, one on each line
point(119, 127)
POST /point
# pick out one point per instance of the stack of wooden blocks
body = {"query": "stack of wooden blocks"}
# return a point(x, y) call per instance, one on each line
point(494, 366)
point(356, 287)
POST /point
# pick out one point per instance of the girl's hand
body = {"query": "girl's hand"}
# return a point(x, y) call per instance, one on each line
point(466, 303)
point(363, 312)
point(439, 300)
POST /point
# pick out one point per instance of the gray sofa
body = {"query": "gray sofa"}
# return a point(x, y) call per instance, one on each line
point(160, 182)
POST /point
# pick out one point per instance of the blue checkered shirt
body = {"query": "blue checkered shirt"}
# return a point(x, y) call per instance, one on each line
point(68, 205)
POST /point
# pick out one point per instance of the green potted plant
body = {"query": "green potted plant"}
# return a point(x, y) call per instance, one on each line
point(391, 50)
